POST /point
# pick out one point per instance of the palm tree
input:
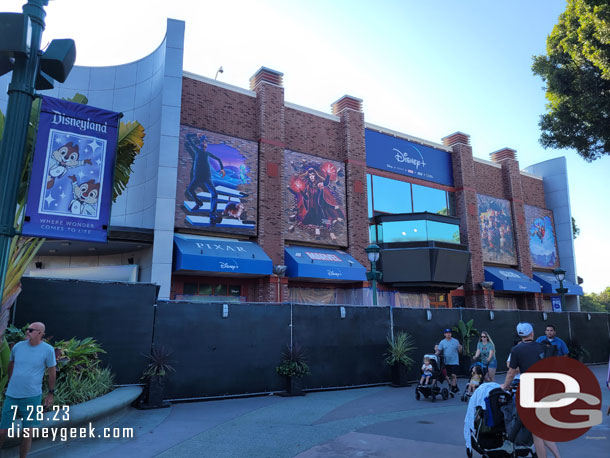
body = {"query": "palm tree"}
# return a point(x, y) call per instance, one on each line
point(24, 249)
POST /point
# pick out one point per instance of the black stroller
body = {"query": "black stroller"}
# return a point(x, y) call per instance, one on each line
point(433, 389)
point(498, 432)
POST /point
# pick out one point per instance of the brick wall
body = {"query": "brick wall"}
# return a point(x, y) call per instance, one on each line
point(218, 109)
point(275, 127)
point(311, 134)
point(488, 180)
point(533, 191)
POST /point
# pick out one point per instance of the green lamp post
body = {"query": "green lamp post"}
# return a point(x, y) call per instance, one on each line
point(560, 275)
point(372, 252)
point(20, 36)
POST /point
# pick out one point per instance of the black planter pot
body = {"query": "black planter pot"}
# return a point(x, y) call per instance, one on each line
point(294, 386)
point(399, 375)
point(155, 390)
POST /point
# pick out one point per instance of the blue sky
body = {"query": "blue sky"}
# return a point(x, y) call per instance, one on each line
point(427, 69)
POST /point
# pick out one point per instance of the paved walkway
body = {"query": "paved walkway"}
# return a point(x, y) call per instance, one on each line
point(368, 422)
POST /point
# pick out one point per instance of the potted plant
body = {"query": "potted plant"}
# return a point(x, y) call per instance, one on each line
point(577, 351)
point(399, 357)
point(159, 365)
point(466, 332)
point(293, 367)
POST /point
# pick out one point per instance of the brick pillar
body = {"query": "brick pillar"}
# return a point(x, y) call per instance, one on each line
point(488, 299)
point(511, 175)
point(349, 109)
point(267, 84)
point(467, 211)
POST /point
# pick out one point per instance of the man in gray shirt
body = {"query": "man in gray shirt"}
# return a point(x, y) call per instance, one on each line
point(451, 348)
point(29, 359)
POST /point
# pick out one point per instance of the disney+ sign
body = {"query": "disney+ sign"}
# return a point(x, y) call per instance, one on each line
point(398, 155)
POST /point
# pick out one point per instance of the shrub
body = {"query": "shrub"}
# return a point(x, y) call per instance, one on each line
point(79, 375)
point(399, 351)
point(294, 363)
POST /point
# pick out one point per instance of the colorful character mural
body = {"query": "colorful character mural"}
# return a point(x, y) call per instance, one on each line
point(216, 188)
point(315, 203)
point(496, 230)
point(543, 247)
point(74, 168)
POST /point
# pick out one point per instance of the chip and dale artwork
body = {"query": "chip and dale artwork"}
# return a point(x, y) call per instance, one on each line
point(85, 195)
point(317, 204)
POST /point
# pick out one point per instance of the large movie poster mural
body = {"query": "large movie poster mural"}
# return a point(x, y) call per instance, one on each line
point(315, 201)
point(496, 230)
point(543, 248)
point(216, 188)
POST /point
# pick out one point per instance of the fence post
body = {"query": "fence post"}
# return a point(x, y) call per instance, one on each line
point(291, 305)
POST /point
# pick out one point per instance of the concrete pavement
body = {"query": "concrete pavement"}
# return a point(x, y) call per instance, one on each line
point(366, 422)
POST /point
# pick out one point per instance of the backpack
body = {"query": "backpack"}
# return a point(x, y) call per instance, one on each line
point(549, 349)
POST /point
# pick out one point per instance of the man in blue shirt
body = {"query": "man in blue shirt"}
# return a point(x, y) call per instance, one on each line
point(28, 361)
point(552, 339)
point(451, 348)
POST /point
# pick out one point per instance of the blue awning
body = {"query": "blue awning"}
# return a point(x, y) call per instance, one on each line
point(510, 280)
point(550, 284)
point(207, 254)
point(319, 263)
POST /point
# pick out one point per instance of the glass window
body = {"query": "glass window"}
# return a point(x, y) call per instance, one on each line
point(451, 201)
point(190, 289)
point(372, 234)
point(443, 232)
point(369, 194)
point(234, 290)
point(391, 196)
point(404, 231)
point(431, 200)
point(205, 289)
point(220, 290)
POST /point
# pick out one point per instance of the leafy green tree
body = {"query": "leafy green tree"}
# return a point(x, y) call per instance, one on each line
point(576, 72)
point(596, 302)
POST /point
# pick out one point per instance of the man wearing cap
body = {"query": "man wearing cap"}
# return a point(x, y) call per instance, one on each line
point(451, 348)
point(522, 356)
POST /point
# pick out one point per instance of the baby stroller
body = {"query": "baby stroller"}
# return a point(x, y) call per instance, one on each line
point(432, 390)
point(496, 431)
point(466, 394)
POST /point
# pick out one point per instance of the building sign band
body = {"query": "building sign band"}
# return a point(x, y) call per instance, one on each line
point(398, 155)
point(70, 191)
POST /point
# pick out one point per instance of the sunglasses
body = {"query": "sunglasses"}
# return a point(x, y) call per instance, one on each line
point(32, 330)
point(484, 337)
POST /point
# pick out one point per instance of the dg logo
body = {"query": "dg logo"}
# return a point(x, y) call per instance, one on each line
point(559, 399)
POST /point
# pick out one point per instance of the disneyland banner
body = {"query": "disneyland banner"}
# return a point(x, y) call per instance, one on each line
point(70, 191)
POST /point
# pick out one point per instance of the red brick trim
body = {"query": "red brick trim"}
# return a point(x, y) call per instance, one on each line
point(465, 189)
point(272, 142)
point(406, 179)
point(273, 169)
point(356, 162)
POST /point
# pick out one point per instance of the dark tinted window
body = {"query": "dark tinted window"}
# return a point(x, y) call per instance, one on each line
point(190, 288)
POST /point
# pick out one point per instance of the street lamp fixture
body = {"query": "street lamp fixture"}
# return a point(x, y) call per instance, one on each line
point(372, 252)
point(20, 36)
point(560, 275)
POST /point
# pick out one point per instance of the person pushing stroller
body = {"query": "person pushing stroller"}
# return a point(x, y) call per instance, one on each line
point(451, 348)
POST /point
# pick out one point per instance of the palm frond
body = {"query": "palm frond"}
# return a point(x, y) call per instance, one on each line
point(130, 142)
